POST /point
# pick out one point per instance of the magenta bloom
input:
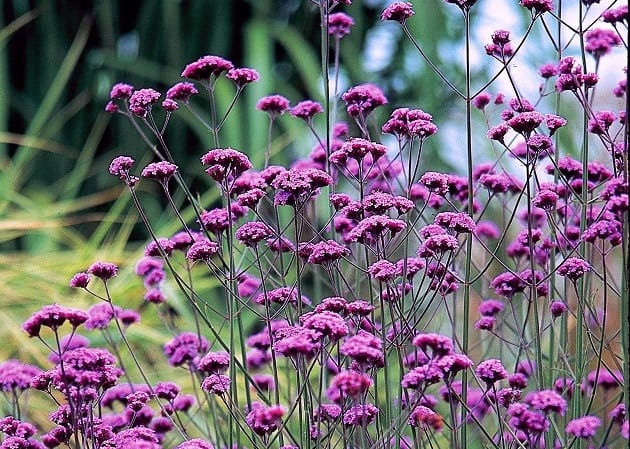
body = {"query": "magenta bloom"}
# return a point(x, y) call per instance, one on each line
point(361, 100)
point(15, 375)
point(185, 348)
point(121, 91)
point(306, 110)
point(548, 401)
point(614, 15)
point(195, 443)
point(142, 100)
point(574, 268)
point(425, 419)
point(538, 6)
point(398, 11)
point(339, 24)
point(216, 384)
point(207, 67)
point(160, 171)
point(80, 280)
point(202, 250)
point(457, 221)
point(253, 232)
point(243, 76)
point(103, 270)
point(263, 419)
point(491, 371)
point(273, 104)
point(584, 427)
point(599, 42)
point(372, 228)
point(120, 166)
point(181, 92)
point(325, 252)
point(351, 383)
point(364, 348)
point(225, 162)
point(360, 415)
point(327, 323)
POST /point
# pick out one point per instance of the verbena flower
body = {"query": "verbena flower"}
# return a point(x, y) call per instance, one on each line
point(273, 105)
point(351, 383)
point(224, 162)
point(242, 76)
point(263, 419)
point(103, 270)
point(141, 101)
point(584, 427)
point(202, 250)
point(360, 415)
point(121, 91)
point(398, 11)
point(195, 443)
point(181, 92)
point(361, 100)
point(491, 371)
point(253, 232)
point(599, 42)
point(216, 384)
point(160, 171)
point(185, 348)
point(306, 110)
point(425, 419)
point(339, 24)
point(574, 268)
point(206, 67)
point(538, 6)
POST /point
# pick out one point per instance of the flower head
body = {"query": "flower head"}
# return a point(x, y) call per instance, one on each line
point(206, 67)
point(142, 100)
point(398, 11)
point(181, 92)
point(584, 427)
point(273, 104)
point(361, 100)
point(224, 162)
point(306, 110)
point(243, 76)
point(160, 171)
point(339, 24)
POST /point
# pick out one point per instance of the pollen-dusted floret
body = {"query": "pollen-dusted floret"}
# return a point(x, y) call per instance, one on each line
point(206, 67)
point(398, 11)
point(224, 162)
